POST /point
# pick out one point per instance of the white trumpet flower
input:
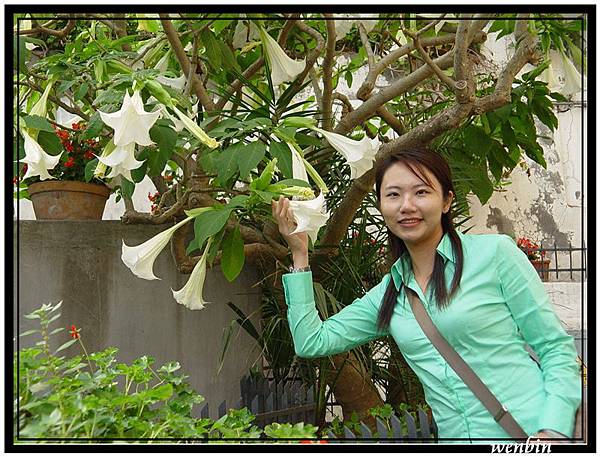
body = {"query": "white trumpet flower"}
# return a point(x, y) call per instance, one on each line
point(549, 77)
point(131, 123)
point(360, 155)
point(298, 167)
point(37, 160)
point(121, 160)
point(343, 26)
point(283, 68)
point(572, 83)
point(310, 215)
point(195, 130)
point(140, 259)
point(190, 295)
point(63, 117)
point(175, 83)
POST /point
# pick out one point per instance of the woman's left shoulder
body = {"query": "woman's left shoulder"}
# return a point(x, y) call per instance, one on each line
point(485, 242)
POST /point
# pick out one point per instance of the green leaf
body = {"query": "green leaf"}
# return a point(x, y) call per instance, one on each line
point(227, 161)
point(282, 153)
point(50, 142)
point(508, 135)
point(138, 173)
point(127, 187)
point(29, 332)
point(477, 141)
point(304, 140)
point(219, 25)
point(211, 45)
point(209, 223)
point(94, 127)
point(38, 123)
point(197, 211)
point(232, 259)
point(166, 138)
point(229, 61)
point(66, 345)
point(162, 392)
point(480, 183)
point(83, 89)
point(264, 179)
point(239, 201)
point(90, 167)
point(20, 53)
point(65, 85)
point(250, 156)
point(299, 122)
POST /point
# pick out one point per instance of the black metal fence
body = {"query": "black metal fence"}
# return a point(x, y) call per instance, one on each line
point(293, 402)
point(560, 263)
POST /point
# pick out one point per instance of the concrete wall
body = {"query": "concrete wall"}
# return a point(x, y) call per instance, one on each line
point(80, 263)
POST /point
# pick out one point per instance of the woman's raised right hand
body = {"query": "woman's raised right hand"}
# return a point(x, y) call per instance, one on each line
point(283, 214)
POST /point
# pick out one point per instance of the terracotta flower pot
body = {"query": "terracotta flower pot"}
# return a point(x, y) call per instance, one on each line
point(542, 267)
point(68, 200)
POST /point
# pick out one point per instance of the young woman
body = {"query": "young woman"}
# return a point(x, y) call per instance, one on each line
point(481, 292)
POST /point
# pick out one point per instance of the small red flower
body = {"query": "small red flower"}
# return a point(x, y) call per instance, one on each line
point(74, 332)
point(69, 146)
point(14, 181)
point(24, 168)
point(88, 155)
point(169, 178)
point(70, 162)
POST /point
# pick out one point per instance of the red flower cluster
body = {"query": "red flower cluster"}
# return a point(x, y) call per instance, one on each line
point(74, 332)
point(78, 151)
point(154, 199)
point(530, 248)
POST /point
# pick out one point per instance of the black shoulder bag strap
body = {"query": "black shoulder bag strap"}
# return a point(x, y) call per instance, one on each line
point(464, 371)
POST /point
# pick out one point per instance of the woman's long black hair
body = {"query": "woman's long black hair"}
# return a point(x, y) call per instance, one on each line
point(418, 160)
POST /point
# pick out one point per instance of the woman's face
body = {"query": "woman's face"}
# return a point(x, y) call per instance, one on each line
point(411, 208)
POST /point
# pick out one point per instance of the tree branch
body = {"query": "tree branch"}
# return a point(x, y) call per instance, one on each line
point(369, 83)
point(525, 53)
point(47, 31)
point(185, 64)
point(237, 84)
point(461, 45)
point(327, 100)
point(444, 78)
point(369, 107)
point(391, 120)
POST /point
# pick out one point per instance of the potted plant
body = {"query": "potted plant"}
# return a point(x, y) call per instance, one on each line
point(536, 256)
point(75, 193)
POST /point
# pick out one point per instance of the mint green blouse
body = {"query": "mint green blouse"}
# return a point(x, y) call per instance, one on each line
point(501, 304)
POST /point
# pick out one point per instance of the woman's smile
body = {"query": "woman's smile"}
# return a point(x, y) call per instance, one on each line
point(409, 222)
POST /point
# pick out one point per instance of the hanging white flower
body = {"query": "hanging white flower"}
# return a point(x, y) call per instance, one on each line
point(283, 68)
point(572, 85)
point(140, 259)
point(190, 295)
point(298, 167)
point(310, 215)
point(343, 26)
point(549, 77)
point(360, 155)
point(121, 160)
point(64, 117)
point(131, 123)
point(175, 83)
point(37, 160)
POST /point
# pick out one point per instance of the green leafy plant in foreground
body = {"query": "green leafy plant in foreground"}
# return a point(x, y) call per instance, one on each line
point(96, 396)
